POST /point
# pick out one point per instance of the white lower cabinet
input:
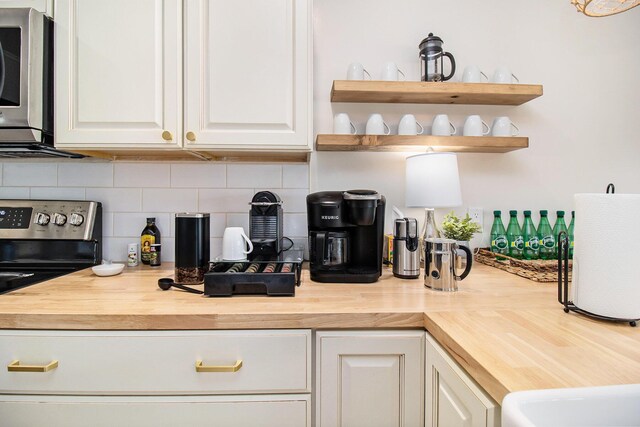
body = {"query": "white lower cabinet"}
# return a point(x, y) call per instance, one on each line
point(452, 398)
point(369, 378)
point(229, 378)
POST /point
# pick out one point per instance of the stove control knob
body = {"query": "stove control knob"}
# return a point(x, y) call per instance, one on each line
point(42, 218)
point(59, 219)
point(76, 219)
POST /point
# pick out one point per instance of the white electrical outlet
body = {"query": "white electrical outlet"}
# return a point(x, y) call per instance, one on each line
point(476, 216)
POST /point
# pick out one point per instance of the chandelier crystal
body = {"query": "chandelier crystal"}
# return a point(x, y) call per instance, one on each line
point(604, 7)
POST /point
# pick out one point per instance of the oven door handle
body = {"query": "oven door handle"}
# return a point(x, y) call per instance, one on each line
point(10, 276)
point(2, 70)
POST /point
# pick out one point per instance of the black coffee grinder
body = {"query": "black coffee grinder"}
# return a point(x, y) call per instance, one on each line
point(265, 225)
point(346, 231)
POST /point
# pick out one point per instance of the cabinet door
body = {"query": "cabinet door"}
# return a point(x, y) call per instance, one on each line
point(248, 74)
point(118, 73)
point(452, 398)
point(96, 411)
point(369, 378)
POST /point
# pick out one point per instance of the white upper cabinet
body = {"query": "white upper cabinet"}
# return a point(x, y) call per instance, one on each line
point(121, 76)
point(248, 74)
point(118, 73)
point(45, 6)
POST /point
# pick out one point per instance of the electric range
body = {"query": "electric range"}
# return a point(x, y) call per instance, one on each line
point(43, 239)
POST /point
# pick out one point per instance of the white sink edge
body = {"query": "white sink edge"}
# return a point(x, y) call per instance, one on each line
point(521, 409)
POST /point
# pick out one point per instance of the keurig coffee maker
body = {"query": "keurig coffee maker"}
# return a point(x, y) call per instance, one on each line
point(346, 231)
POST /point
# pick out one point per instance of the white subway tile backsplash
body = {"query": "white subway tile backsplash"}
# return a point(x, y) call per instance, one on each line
point(216, 248)
point(107, 224)
point(295, 176)
point(30, 174)
point(132, 224)
point(85, 175)
point(295, 225)
point(293, 200)
point(168, 250)
point(115, 248)
point(224, 200)
point(197, 175)
point(58, 193)
point(14, 192)
point(218, 224)
point(254, 176)
point(169, 200)
point(145, 175)
point(117, 199)
point(239, 220)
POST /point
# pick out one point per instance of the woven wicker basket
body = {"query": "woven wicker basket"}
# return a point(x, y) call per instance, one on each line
point(536, 270)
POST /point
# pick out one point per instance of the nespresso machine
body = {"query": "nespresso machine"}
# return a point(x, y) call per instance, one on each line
point(346, 231)
point(265, 226)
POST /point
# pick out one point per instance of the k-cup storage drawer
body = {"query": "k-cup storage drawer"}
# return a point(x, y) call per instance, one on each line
point(158, 362)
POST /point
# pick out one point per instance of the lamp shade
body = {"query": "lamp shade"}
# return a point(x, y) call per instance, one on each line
point(432, 181)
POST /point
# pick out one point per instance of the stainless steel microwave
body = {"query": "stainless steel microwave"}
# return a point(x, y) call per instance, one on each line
point(26, 84)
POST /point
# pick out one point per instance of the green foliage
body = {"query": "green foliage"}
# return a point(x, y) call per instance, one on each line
point(457, 229)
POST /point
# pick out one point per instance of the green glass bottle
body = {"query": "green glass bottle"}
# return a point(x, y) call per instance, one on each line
point(514, 236)
point(530, 238)
point(547, 242)
point(499, 242)
point(571, 231)
point(558, 227)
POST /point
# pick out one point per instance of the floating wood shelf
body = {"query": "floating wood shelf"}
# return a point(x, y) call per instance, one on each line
point(459, 144)
point(433, 92)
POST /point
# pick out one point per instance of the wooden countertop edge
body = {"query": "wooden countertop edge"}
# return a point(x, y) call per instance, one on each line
point(57, 321)
point(479, 374)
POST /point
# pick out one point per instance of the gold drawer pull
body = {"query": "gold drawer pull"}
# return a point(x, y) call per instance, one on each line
point(203, 368)
point(166, 135)
point(15, 366)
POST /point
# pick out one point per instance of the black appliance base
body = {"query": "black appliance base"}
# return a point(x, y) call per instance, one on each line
point(407, 276)
point(328, 277)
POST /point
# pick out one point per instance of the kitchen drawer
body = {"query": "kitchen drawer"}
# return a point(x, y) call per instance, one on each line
point(157, 362)
point(95, 411)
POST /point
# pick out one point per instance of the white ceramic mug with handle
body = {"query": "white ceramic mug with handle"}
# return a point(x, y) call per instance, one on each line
point(234, 244)
point(342, 125)
point(377, 126)
point(356, 72)
point(409, 126)
point(391, 72)
point(442, 126)
point(503, 126)
point(474, 125)
point(504, 75)
point(473, 74)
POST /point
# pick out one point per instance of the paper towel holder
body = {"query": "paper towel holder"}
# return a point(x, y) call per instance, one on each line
point(563, 283)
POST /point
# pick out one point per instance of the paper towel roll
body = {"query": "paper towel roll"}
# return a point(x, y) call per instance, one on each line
point(606, 256)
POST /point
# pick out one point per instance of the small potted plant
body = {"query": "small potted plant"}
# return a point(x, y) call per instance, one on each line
point(460, 230)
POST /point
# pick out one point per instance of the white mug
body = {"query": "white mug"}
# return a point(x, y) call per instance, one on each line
point(390, 72)
point(377, 126)
point(503, 75)
point(473, 127)
point(342, 125)
point(502, 127)
point(473, 74)
point(409, 126)
point(356, 72)
point(233, 244)
point(442, 126)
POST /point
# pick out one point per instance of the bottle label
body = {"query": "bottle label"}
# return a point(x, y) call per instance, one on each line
point(532, 243)
point(548, 242)
point(145, 246)
point(518, 243)
point(500, 242)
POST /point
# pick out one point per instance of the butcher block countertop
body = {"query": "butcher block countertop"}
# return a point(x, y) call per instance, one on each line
point(507, 332)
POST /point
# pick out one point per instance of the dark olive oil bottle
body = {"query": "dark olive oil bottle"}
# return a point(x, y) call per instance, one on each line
point(150, 236)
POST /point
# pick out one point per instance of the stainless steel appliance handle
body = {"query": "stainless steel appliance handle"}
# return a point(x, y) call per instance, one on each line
point(2, 70)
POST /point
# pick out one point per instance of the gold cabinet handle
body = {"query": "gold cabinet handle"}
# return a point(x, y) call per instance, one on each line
point(233, 368)
point(15, 366)
point(191, 136)
point(166, 135)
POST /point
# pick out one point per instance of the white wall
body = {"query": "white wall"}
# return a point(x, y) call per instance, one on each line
point(132, 191)
point(584, 131)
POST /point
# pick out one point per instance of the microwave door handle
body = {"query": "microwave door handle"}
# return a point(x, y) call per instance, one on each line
point(2, 70)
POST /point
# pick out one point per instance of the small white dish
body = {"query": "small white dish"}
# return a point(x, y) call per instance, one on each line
point(104, 270)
